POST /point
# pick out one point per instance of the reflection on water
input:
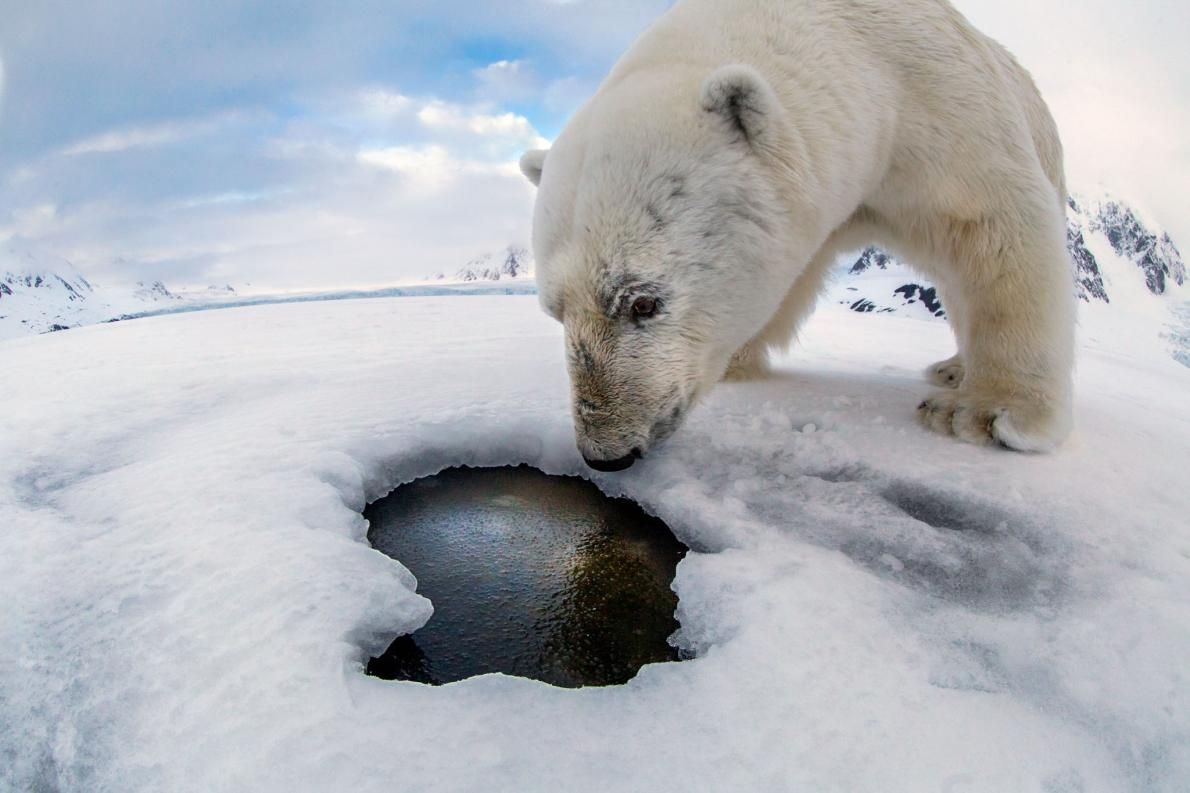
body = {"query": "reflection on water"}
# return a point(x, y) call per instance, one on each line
point(531, 575)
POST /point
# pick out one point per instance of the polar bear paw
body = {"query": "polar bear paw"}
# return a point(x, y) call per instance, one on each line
point(946, 374)
point(974, 417)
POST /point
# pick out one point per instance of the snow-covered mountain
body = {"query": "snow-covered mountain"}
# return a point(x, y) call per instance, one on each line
point(35, 296)
point(879, 283)
point(1152, 252)
point(1119, 261)
point(41, 292)
point(511, 263)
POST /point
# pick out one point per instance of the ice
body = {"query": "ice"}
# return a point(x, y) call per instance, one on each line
point(190, 598)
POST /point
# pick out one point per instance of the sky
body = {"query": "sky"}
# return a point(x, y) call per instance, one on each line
point(317, 143)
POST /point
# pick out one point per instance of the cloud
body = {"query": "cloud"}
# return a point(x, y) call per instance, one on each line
point(431, 170)
point(375, 187)
point(507, 81)
point(497, 130)
point(200, 141)
point(518, 82)
point(383, 104)
point(136, 62)
point(383, 216)
point(367, 145)
point(1119, 88)
point(139, 137)
point(565, 95)
point(30, 221)
point(378, 112)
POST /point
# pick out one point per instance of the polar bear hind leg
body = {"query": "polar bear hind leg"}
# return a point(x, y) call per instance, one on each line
point(1016, 334)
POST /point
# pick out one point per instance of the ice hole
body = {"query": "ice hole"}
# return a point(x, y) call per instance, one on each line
point(531, 575)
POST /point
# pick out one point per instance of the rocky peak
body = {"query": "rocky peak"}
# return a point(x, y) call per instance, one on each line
point(871, 258)
point(154, 290)
point(1152, 252)
point(1088, 280)
point(25, 269)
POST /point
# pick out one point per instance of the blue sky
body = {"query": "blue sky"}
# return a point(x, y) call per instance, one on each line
point(314, 143)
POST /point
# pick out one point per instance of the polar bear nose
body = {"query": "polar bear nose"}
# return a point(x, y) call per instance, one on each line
point(611, 466)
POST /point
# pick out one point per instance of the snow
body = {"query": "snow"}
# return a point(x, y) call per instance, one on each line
point(190, 598)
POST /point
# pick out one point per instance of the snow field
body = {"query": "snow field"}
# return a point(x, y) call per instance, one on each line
point(191, 597)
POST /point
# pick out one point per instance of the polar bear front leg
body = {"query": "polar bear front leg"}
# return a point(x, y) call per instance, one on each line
point(750, 362)
point(1018, 330)
point(950, 372)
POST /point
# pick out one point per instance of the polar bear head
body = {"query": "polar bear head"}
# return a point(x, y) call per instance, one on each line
point(659, 233)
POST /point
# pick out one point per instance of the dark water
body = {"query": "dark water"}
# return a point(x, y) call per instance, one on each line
point(531, 575)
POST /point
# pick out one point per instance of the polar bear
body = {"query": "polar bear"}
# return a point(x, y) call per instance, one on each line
point(688, 213)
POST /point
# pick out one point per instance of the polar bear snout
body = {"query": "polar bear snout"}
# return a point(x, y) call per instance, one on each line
point(607, 443)
point(611, 466)
point(614, 440)
point(621, 392)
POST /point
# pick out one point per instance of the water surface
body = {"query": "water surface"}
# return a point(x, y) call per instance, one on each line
point(531, 575)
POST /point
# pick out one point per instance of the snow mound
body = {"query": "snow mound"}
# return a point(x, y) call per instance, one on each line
point(189, 597)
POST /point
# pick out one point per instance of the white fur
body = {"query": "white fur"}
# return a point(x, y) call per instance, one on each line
point(740, 145)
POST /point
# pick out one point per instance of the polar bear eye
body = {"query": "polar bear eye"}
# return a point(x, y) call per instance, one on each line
point(644, 307)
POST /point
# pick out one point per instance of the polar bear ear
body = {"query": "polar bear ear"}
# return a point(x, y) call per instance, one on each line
point(744, 100)
point(533, 163)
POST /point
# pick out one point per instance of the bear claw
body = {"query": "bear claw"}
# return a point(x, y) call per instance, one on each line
point(947, 374)
point(980, 419)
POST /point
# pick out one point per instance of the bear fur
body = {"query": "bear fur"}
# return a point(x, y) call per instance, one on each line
point(688, 214)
